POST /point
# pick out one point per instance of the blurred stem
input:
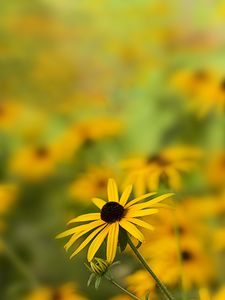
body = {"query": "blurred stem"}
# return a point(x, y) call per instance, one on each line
point(19, 264)
point(122, 289)
point(160, 285)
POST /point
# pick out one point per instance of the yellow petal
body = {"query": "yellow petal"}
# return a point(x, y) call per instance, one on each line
point(139, 199)
point(86, 217)
point(141, 213)
point(132, 230)
point(98, 202)
point(140, 223)
point(174, 178)
point(126, 195)
point(80, 228)
point(151, 202)
point(112, 242)
point(95, 245)
point(78, 234)
point(87, 240)
point(112, 190)
point(66, 233)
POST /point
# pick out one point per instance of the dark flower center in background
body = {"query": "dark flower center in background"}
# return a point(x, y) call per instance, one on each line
point(112, 212)
point(158, 160)
point(102, 183)
point(41, 152)
point(200, 75)
point(222, 85)
point(2, 110)
point(186, 255)
point(56, 295)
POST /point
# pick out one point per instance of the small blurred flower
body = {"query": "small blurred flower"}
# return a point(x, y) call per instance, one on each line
point(204, 294)
point(65, 292)
point(114, 214)
point(140, 283)
point(167, 166)
point(216, 169)
point(98, 128)
point(10, 112)
point(93, 182)
point(34, 162)
point(205, 89)
point(196, 268)
point(8, 194)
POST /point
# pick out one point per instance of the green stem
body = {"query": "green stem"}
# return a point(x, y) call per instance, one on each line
point(160, 285)
point(19, 264)
point(122, 289)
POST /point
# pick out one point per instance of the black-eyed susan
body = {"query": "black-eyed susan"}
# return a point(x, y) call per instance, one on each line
point(204, 294)
point(92, 182)
point(115, 214)
point(167, 166)
point(42, 158)
point(67, 291)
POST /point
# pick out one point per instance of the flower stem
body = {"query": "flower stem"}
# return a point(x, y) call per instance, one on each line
point(160, 285)
point(121, 288)
point(19, 264)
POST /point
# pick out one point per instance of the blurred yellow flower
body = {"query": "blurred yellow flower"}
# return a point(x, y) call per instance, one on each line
point(204, 294)
point(117, 212)
point(195, 269)
point(92, 182)
point(8, 193)
point(10, 113)
point(205, 89)
point(65, 292)
point(166, 167)
point(216, 169)
point(34, 162)
point(140, 283)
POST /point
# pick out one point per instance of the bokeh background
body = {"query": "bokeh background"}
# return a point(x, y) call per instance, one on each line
point(133, 90)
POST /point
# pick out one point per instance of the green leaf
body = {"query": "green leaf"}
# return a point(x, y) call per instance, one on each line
point(122, 239)
point(92, 276)
point(97, 282)
point(147, 296)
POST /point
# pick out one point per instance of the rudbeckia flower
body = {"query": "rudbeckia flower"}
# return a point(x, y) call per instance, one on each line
point(67, 291)
point(114, 214)
point(167, 166)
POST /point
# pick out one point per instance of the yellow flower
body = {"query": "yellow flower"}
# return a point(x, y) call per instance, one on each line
point(205, 89)
point(196, 267)
point(140, 283)
point(93, 182)
point(115, 213)
point(97, 128)
point(65, 292)
point(216, 169)
point(34, 162)
point(8, 194)
point(10, 113)
point(148, 172)
point(204, 294)
point(121, 297)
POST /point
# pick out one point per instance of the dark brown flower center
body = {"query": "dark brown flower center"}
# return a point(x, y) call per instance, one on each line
point(200, 75)
point(56, 295)
point(158, 160)
point(2, 110)
point(222, 85)
point(112, 212)
point(186, 255)
point(41, 152)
